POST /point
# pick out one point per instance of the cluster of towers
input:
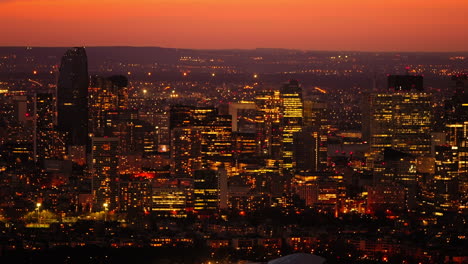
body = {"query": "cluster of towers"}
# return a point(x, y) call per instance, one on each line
point(264, 143)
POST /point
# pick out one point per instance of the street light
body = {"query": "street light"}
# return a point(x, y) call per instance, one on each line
point(105, 211)
point(38, 206)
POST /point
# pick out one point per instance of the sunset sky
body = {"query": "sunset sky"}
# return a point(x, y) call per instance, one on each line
point(367, 25)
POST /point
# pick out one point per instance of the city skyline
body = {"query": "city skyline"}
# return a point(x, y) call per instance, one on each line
point(333, 25)
point(197, 157)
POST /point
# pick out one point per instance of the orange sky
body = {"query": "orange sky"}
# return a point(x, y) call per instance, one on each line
point(369, 25)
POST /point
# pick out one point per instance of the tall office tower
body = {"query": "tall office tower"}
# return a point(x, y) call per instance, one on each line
point(459, 105)
point(457, 129)
point(48, 143)
point(268, 123)
point(214, 133)
point(160, 121)
point(458, 138)
point(72, 97)
point(132, 132)
point(380, 117)
point(216, 140)
point(104, 172)
point(316, 126)
point(440, 193)
point(413, 123)
point(105, 94)
point(292, 121)
point(310, 150)
point(315, 115)
point(207, 192)
point(185, 151)
point(400, 119)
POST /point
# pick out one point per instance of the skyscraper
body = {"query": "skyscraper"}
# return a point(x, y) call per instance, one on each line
point(48, 143)
point(268, 123)
point(457, 130)
point(104, 170)
point(400, 119)
point(72, 97)
point(292, 120)
point(105, 94)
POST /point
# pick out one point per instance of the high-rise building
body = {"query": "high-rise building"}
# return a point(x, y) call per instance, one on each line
point(311, 144)
point(72, 97)
point(440, 192)
point(170, 196)
point(185, 151)
point(206, 191)
point(458, 140)
point(48, 143)
point(292, 121)
point(134, 194)
point(105, 94)
point(400, 119)
point(214, 130)
point(268, 123)
point(104, 172)
point(310, 150)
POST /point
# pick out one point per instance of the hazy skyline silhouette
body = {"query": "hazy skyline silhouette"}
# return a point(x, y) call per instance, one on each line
point(361, 25)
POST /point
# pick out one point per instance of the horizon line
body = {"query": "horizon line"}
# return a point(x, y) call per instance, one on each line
point(240, 49)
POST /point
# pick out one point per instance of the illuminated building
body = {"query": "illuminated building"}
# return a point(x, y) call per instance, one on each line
point(206, 191)
point(244, 199)
point(137, 138)
point(185, 151)
point(217, 243)
point(310, 150)
point(250, 191)
point(48, 143)
point(321, 190)
point(269, 133)
point(243, 116)
point(104, 172)
point(256, 187)
point(440, 192)
point(216, 145)
point(301, 244)
point(315, 115)
point(171, 242)
point(270, 245)
point(245, 145)
point(160, 121)
point(191, 125)
point(292, 111)
point(400, 119)
point(385, 196)
point(105, 94)
point(457, 130)
point(380, 127)
point(458, 105)
point(171, 196)
point(72, 97)
point(168, 200)
point(134, 194)
point(413, 116)
point(311, 147)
